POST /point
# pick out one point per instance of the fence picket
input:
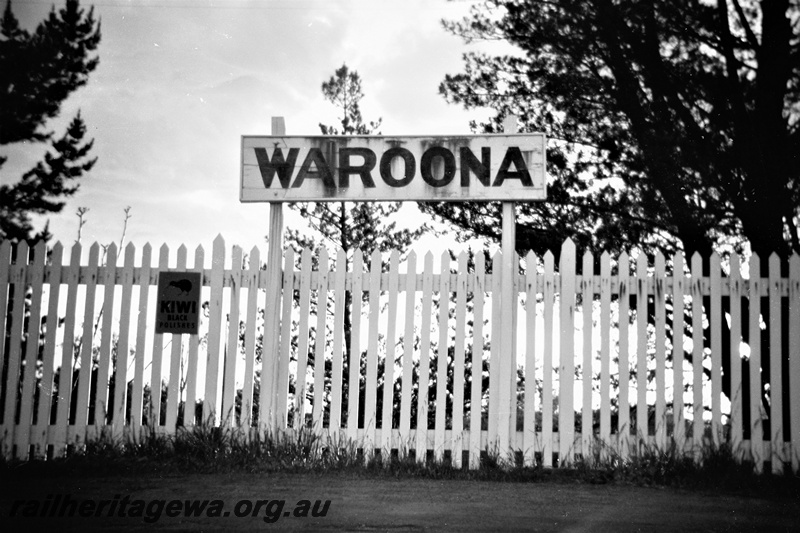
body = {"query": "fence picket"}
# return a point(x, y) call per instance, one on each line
point(250, 281)
point(371, 393)
point(118, 421)
point(697, 352)
point(623, 417)
point(495, 366)
point(157, 361)
point(354, 362)
point(173, 388)
point(737, 420)
point(101, 402)
point(441, 358)
point(566, 371)
point(36, 276)
point(41, 433)
point(458, 361)
point(301, 378)
point(641, 349)
point(77, 433)
point(777, 456)
point(406, 381)
point(137, 391)
point(659, 297)
point(281, 387)
point(529, 420)
point(547, 362)
point(587, 296)
point(476, 392)
point(211, 414)
point(5, 275)
point(231, 341)
point(190, 405)
point(715, 323)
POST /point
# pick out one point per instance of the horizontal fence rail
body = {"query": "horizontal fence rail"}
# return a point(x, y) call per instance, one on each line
point(610, 354)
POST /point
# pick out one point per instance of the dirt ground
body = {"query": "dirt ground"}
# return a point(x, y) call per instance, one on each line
point(154, 502)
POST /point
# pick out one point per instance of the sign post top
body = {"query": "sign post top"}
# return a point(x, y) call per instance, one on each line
point(281, 168)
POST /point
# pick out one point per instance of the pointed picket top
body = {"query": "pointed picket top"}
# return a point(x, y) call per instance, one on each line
point(678, 263)
point(94, 254)
point(428, 257)
point(587, 257)
point(130, 248)
point(462, 262)
point(39, 248)
point(588, 267)
point(697, 264)
point(623, 263)
point(199, 259)
point(341, 259)
point(55, 254)
point(774, 263)
point(794, 266)
point(531, 261)
point(218, 246)
point(394, 260)
point(659, 258)
point(22, 253)
point(548, 255)
point(111, 254)
point(5, 251)
point(375, 260)
point(255, 258)
point(182, 250)
point(163, 256)
point(445, 262)
point(305, 258)
point(411, 263)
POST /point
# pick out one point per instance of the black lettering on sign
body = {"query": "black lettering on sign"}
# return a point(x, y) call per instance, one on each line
point(409, 169)
point(269, 167)
point(364, 170)
point(322, 170)
point(513, 156)
point(426, 166)
point(470, 163)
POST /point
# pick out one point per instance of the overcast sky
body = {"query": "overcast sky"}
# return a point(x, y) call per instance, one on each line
point(180, 81)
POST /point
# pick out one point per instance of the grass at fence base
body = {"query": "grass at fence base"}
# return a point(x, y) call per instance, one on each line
point(208, 449)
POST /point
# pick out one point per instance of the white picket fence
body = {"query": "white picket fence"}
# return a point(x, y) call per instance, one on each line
point(590, 349)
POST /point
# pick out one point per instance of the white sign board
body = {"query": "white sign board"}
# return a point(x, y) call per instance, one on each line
point(367, 168)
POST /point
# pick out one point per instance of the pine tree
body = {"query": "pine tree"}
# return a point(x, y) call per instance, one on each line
point(38, 72)
point(351, 226)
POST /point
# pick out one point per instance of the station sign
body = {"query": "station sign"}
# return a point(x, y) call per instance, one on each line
point(381, 168)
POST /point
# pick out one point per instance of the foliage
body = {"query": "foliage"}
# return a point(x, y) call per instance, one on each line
point(670, 124)
point(38, 72)
point(209, 449)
